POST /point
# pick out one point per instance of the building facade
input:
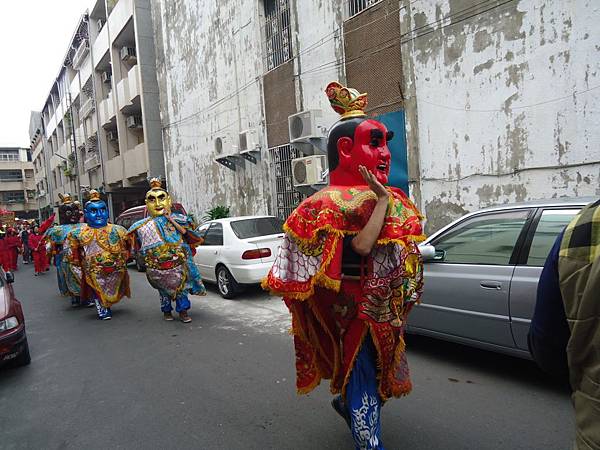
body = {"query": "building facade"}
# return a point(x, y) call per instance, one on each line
point(43, 187)
point(101, 118)
point(231, 73)
point(17, 185)
point(502, 102)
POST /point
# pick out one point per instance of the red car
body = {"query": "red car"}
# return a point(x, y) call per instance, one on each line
point(13, 340)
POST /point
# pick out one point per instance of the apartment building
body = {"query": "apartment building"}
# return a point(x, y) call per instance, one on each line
point(43, 193)
point(101, 123)
point(242, 93)
point(17, 186)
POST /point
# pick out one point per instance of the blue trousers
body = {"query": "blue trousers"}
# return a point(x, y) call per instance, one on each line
point(363, 401)
point(182, 303)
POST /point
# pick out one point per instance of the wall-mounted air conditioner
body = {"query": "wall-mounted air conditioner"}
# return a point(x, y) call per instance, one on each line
point(223, 145)
point(112, 136)
point(309, 170)
point(128, 54)
point(134, 122)
point(106, 77)
point(306, 124)
point(248, 140)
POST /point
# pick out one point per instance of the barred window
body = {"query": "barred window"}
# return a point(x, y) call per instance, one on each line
point(357, 6)
point(288, 198)
point(277, 33)
point(14, 197)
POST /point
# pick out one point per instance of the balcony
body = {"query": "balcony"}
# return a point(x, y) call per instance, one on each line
point(100, 46)
point(119, 16)
point(82, 51)
point(136, 161)
point(107, 110)
point(74, 87)
point(91, 163)
point(114, 170)
point(135, 83)
point(87, 108)
point(123, 95)
point(11, 185)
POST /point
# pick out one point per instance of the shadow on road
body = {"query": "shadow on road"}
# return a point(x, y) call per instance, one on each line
point(483, 361)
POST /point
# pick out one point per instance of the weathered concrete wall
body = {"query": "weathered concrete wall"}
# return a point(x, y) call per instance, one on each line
point(502, 104)
point(209, 63)
point(210, 66)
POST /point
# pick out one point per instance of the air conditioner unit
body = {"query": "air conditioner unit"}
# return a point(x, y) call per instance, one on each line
point(248, 140)
point(223, 145)
point(128, 54)
point(106, 77)
point(309, 170)
point(112, 136)
point(306, 124)
point(134, 122)
point(100, 24)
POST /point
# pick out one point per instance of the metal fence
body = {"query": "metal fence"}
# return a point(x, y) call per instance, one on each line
point(277, 33)
point(287, 197)
point(357, 6)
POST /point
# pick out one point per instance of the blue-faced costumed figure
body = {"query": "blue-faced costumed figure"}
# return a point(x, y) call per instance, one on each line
point(68, 271)
point(166, 242)
point(349, 270)
point(102, 249)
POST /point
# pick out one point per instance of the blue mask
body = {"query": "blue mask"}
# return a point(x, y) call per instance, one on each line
point(96, 214)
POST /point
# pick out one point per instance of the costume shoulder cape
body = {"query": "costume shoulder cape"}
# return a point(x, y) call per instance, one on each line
point(319, 224)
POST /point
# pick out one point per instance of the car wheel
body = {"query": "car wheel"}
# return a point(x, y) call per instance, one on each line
point(228, 287)
point(140, 266)
point(24, 358)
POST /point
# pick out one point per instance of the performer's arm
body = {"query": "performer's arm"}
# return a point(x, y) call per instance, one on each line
point(364, 241)
point(178, 227)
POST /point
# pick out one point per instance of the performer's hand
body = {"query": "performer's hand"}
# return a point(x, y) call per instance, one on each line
point(380, 191)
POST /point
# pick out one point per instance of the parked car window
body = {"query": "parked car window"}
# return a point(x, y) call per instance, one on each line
point(214, 235)
point(550, 225)
point(263, 226)
point(483, 239)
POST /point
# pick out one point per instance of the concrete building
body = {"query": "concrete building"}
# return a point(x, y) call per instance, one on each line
point(43, 188)
point(17, 186)
point(502, 102)
point(101, 118)
point(230, 75)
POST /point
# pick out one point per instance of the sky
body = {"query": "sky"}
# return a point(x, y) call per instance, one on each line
point(34, 35)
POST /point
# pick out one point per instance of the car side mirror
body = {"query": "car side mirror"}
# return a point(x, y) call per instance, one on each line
point(10, 277)
point(427, 252)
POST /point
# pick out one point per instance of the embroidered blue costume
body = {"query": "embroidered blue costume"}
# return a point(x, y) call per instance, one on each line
point(165, 240)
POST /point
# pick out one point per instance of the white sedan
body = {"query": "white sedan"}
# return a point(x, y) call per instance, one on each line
point(238, 251)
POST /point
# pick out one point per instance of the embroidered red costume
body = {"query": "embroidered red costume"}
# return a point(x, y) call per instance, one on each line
point(329, 328)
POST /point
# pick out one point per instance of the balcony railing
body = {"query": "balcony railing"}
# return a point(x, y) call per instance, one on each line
point(91, 163)
point(80, 54)
point(86, 108)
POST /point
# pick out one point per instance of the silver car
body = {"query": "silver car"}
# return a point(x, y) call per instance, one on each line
point(481, 274)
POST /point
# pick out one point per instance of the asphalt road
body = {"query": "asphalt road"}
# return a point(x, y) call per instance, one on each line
point(226, 381)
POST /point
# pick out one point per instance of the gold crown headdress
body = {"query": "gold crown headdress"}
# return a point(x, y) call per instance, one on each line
point(346, 101)
point(155, 183)
point(65, 199)
point(93, 196)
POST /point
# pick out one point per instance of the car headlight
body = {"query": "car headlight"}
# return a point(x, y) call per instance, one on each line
point(8, 324)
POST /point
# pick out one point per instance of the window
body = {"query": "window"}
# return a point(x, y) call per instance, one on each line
point(277, 32)
point(11, 175)
point(549, 227)
point(483, 239)
point(214, 235)
point(28, 173)
point(9, 156)
point(249, 228)
point(356, 6)
point(14, 197)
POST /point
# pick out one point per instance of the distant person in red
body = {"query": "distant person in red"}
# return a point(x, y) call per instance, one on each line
point(38, 246)
point(4, 252)
point(13, 242)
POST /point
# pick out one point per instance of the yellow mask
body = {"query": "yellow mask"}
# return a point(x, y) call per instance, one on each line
point(158, 202)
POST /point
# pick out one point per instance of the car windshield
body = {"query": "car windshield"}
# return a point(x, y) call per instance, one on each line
point(263, 226)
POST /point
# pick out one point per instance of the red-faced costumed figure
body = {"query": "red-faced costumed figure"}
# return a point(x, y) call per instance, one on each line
point(350, 271)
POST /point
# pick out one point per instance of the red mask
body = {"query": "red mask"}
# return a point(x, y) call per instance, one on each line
point(369, 149)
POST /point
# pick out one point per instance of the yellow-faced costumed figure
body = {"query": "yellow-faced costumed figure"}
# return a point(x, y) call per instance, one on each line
point(350, 271)
point(102, 250)
point(165, 240)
